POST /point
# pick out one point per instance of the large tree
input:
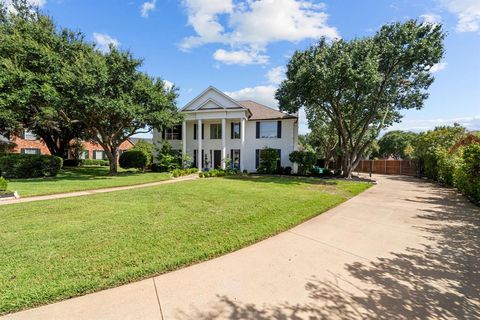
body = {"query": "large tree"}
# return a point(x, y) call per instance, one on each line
point(362, 85)
point(35, 77)
point(122, 101)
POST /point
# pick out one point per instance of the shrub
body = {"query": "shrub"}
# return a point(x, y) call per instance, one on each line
point(304, 159)
point(183, 172)
point(467, 172)
point(29, 165)
point(94, 162)
point(72, 162)
point(3, 184)
point(133, 159)
point(268, 161)
point(287, 170)
point(167, 158)
point(217, 173)
point(146, 148)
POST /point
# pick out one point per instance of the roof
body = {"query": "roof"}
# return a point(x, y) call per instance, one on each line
point(134, 141)
point(262, 112)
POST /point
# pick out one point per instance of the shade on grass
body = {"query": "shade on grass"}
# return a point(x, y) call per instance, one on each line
point(52, 250)
point(82, 178)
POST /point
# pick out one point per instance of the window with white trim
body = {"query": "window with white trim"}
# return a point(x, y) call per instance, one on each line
point(216, 131)
point(30, 151)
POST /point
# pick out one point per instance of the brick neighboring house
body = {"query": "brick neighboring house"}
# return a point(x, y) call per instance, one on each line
point(31, 144)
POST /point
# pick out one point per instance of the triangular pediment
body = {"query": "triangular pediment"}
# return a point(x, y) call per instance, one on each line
point(212, 99)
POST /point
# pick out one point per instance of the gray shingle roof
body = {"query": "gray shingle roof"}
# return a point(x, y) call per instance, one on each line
point(262, 112)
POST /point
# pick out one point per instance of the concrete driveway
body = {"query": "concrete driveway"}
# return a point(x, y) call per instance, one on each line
point(404, 249)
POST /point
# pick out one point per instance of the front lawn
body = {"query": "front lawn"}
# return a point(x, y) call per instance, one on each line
point(52, 250)
point(82, 178)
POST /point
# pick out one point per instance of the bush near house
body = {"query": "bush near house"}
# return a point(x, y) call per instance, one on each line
point(16, 165)
point(268, 161)
point(146, 148)
point(133, 159)
point(167, 159)
point(304, 159)
point(183, 172)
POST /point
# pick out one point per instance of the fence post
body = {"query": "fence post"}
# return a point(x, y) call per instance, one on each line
point(401, 161)
point(385, 166)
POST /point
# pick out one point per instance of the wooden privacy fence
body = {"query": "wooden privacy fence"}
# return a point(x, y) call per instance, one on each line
point(404, 167)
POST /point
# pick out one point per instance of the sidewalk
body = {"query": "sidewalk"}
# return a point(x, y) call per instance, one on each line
point(404, 249)
point(95, 191)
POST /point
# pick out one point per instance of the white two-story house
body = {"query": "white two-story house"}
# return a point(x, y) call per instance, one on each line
point(218, 129)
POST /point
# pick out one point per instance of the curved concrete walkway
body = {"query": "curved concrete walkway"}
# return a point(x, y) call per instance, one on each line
point(95, 191)
point(404, 249)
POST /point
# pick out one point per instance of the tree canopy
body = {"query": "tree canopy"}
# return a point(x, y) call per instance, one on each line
point(61, 87)
point(362, 85)
point(397, 144)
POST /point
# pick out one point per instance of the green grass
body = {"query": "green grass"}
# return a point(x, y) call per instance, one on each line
point(52, 250)
point(82, 178)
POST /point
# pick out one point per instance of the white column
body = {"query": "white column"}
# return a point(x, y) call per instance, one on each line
point(242, 146)
point(224, 142)
point(184, 140)
point(199, 138)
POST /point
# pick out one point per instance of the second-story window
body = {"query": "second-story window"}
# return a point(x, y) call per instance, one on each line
point(174, 133)
point(215, 131)
point(235, 130)
point(28, 135)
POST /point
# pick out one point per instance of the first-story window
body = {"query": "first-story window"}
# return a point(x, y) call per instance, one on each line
point(235, 157)
point(30, 151)
point(85, 154)
point(99, 155)
point(215, 131)
point(258, 157)
point(174, 133)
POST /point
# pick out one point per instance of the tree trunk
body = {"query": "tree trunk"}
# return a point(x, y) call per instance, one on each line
point(112, 156)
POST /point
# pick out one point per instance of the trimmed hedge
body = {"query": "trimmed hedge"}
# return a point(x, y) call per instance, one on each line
point(183, 172)
point(17, 165)
point(95, 162)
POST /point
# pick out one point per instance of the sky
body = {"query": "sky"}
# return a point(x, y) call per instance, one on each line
point(242, 47)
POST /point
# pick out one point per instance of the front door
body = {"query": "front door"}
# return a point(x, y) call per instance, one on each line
point(217, 159)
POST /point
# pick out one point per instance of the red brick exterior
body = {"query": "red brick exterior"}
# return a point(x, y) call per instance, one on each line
point(29, 144)
point(40, 145)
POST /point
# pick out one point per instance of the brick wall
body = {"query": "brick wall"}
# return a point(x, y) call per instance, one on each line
point(29, 144)
point(40, 145)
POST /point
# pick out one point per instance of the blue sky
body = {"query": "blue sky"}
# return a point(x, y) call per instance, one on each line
point(241, 47)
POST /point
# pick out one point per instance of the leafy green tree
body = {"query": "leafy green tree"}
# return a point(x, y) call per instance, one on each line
point(124, 102)
point(268, 160)
point(396, 144)
point(167, 158)
point(305, 159)
point(35, 77)
point(324, 138)
point(362, 85)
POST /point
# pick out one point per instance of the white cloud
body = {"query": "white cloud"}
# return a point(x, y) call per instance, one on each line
point(468, 13)
point(418, 125)
point(438, 67)
point(431, 18)
point(241, 57)
point(147, 7)
point(103, 41)
point(249, 26)
point(168, 84)
point(276, 75)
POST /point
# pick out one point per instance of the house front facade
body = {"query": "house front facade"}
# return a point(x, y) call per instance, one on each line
point(218, 131)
